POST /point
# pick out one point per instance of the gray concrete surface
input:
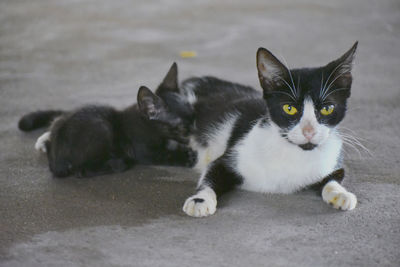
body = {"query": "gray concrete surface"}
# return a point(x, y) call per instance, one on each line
point(66, 53)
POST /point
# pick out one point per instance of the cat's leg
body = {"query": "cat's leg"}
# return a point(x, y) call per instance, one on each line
point(40, 144)
point(335, 194)
point(215, 181)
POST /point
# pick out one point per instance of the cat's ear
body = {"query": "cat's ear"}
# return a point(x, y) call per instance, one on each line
point(170, 82)
point(271, 71)
point(149, 104)
point(339, 70)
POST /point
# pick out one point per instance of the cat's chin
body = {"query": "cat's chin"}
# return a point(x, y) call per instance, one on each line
point(308, 146)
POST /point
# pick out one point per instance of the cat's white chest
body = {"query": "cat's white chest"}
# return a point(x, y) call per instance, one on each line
point(269, 163)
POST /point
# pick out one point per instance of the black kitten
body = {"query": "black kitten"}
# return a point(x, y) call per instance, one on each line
point(95, 140)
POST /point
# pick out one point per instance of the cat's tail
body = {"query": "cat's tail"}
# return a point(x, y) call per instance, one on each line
point(38, 119)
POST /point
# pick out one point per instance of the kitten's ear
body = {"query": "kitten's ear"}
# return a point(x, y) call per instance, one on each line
point(271, 71)
point(339, 70)
point(170, 82)
point(149, 104)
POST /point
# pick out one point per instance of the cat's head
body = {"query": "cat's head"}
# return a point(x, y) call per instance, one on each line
point(306, 104)
point(167, 106)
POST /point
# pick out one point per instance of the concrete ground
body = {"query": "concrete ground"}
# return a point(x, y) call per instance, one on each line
point(62, 54)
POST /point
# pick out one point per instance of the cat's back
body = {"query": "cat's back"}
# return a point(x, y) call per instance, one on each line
point(208, 87)
point(84, 120)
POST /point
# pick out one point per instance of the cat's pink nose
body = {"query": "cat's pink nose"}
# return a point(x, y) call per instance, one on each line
point(308, 132)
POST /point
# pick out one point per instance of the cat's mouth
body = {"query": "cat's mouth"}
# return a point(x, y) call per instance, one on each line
point(308, 146)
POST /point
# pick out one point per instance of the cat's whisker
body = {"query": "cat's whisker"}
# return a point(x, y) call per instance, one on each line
point(352, 109)
point(298, 85)
point(352, 136)
point(333, 91)
point(341, 127)
point(354, 142)
point(346, 142)
point(351, 144)
point(331, 83)
point(280, 92)
point(359, 144)
point(291, 89)
point(345, 153)
point(322, 80)
point(353, 133)
point(325, 88)
point(334, 70)
point(349, 136)
point(290, 75)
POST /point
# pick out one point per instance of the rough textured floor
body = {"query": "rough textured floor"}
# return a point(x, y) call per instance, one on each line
point(67, 53)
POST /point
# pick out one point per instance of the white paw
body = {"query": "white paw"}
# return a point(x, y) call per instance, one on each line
point(333, 193)
point(204, 203)
point(40, 144)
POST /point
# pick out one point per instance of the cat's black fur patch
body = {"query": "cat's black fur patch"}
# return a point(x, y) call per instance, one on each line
point(221, 177)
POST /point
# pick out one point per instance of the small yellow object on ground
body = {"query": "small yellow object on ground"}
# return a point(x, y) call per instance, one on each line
point(188, 54)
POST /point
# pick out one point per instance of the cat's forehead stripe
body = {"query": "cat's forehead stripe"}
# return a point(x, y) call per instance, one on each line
point(308, 110)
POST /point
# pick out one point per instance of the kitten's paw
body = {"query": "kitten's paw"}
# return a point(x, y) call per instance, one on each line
point(204, 203)
point(333, 193)
point(40, 144)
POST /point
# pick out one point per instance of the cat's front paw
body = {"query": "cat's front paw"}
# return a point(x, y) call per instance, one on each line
point(336, 195)
point(202, 204)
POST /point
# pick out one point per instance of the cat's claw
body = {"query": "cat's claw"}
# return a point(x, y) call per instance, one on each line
point(40, 144)
point(336, 195)
point(202, 204)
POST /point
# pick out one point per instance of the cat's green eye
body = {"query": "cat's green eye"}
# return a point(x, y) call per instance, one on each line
point(291, 110)
point(327, 110)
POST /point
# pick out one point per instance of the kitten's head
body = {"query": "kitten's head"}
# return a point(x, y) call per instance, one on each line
point(306, 104)
point(166, 106)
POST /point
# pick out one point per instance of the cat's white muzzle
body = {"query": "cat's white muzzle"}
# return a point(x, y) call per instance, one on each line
point(308, 130)
point(303, 135)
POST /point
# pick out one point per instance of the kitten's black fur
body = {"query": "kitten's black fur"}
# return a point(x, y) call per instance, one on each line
point(96, 140)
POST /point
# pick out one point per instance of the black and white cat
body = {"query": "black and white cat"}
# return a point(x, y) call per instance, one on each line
point(280, 142)
point(95, 140)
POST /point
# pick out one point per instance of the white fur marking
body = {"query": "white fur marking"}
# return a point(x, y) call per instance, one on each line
point(217, 142)
point(335, 194)
point(308, 119)
point(40, 144)
point(270, 164)
point(189, 92)
point(201, 209)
